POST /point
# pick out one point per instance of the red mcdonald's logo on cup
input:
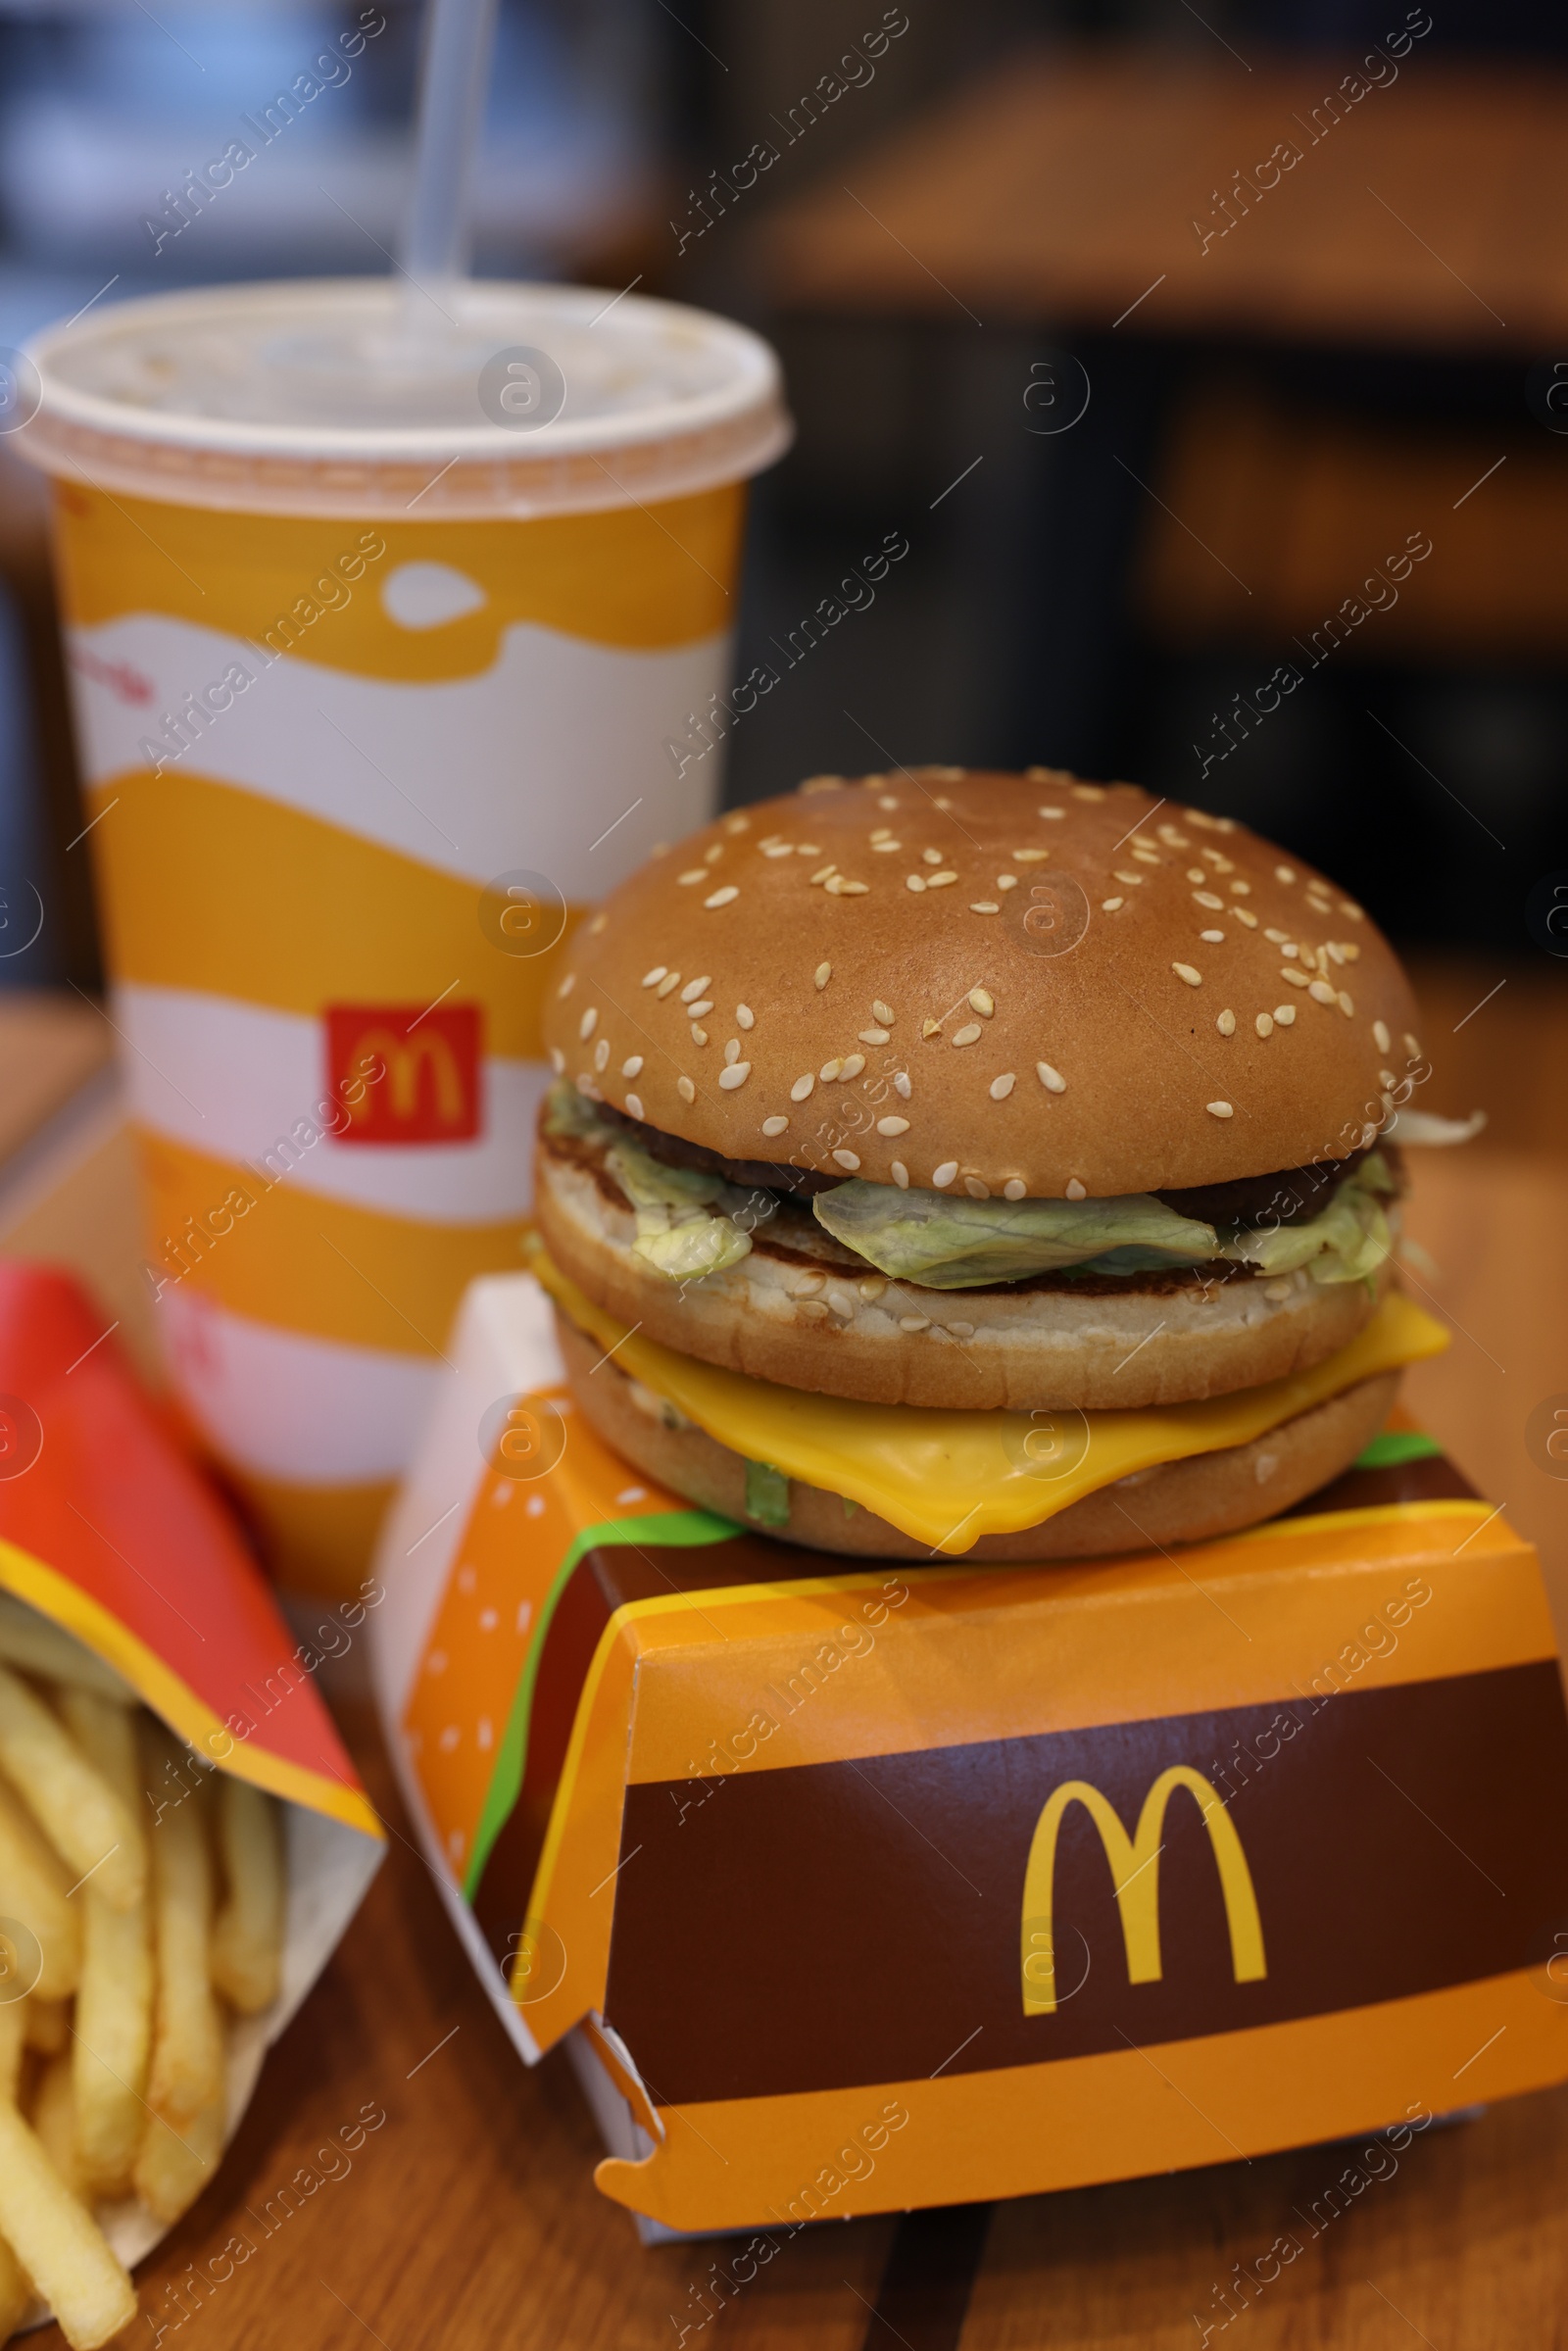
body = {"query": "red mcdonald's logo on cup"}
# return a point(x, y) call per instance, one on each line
point(405, 1073)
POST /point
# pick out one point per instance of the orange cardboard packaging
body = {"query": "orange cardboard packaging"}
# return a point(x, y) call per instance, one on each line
point(855, 1886)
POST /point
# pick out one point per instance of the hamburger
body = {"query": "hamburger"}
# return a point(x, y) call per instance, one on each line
point(954, 1162)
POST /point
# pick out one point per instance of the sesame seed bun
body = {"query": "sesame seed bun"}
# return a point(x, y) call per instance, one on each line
point(802, 1310)
point(1181, 1502)
point(1018, 985)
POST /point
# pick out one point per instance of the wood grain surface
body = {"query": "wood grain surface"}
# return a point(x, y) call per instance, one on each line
point(468, 2218)
point(1065, 185)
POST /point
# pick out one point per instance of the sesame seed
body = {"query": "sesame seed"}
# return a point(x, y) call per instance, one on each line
point(1014, 1188)
point(1411, 1047)
point(1277, 1292)
point(1134, 881)
point(634, 1108)
point(914, 1322)
point(1321, 993)
point(735, 1075)
point(807, 849)
point(809, 1285)
point(1185, 971)
point(892, 1126)
point(1007, 881)
point(1245, 915)
point(602, 1054)
point(914, 881)
point(1212, 937)
point(968, 1034)
point(854, 889)
point(774, 1125)
point(1226, 1023)
point(1195, 873)
point(686, 1090)
point(697, 873)
point(1349, 951)
point(930, 1029)
point(940, 881)
point(977, 1189)
point(880, 832)
point(1088, 791)
point(872, 1035)
point(1283, 1014)
point(776, 848)
point(671, 979)
point(1207, 898)
point(557, 1059)
point(834, 885)
point(942, 1177)
point(737, 824)
point(1172, 838)
point(1284, 873)
point(801, 1088)
point(632, 1068)
point(569, 982)
point(651, 979)
point(701, 1009)
point(1001, 1087)
point(1334, 950)
point(848, 1159)
point(723, 898)
point(887, 801)
point(963, 1330)
point(1051, 813)
point(829, 1071)
point(710, 857)
point(1264, 1025)
point(696, 988)
point(1030, 857)
point(900, 1083)
point(1075, 1190)
point(1051, 1079)
point(871, 1286)
point(811, 1307)
point(883, 848)
point(982, 1001)
point(853, 1067)
point(1298, 979)
point(983, 905)
point(1346, 1002)
point(699, 1036)
point(732, 1051)
point(930, 856)
point(1241, 889)
point(1380, 1036)
point(1219, 1109)
point(900, 1174)
point(882, 1012)
point(1112, 905)
point(1276, 938)
point(825, 874)
point(588, 1023)
point(745, 1017)
point(842, 1306)
point(1357, 913)
point(1221, 865)
point(822, 974)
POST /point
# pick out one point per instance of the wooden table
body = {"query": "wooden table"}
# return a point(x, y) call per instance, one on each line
point(1064, 186)
point(468, 2218)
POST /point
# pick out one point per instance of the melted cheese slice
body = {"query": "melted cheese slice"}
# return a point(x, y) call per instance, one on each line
point(945, 1478)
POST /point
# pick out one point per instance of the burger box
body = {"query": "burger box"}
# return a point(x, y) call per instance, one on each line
point(109, 1531)
point(853, 1885)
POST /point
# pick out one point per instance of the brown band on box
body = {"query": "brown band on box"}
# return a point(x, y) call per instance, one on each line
point(1396, 1842)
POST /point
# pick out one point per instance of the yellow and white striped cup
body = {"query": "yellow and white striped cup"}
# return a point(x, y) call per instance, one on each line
point(377, 685)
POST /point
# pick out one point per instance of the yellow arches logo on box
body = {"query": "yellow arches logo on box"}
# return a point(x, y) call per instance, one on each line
point(1135, 1873)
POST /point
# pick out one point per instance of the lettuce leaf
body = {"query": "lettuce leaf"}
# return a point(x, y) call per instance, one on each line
point(944, 1244)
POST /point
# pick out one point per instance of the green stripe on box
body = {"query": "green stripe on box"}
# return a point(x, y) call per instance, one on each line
point(1396, 1446)
point(659, 1528)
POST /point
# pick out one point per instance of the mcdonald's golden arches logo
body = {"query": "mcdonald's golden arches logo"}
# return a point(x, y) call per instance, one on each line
point(1135, 1873)
point(421, 1066)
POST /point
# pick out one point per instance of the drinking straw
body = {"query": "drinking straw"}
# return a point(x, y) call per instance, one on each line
point(458, 42)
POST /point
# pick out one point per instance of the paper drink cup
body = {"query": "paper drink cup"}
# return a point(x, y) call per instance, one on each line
point(392, 651)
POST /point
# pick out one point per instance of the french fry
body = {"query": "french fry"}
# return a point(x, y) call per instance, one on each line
point(115, 1995)
point(33, 1888)
point(13, 2040)
point(58, 2244)
point(248, 1938)
point(15, 2292)
point(94, 1834)
point(186, 2073)
point(48, 2025)
point(54, 2119)
point(39, 1646)
point(174, 2167)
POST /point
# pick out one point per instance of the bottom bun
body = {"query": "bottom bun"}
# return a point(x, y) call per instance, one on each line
point(1181, 1502)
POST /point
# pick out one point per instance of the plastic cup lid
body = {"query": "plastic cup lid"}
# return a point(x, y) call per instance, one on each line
point(325, 397)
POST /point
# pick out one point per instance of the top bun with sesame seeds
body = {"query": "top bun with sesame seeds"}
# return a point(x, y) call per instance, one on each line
point(1018, 986)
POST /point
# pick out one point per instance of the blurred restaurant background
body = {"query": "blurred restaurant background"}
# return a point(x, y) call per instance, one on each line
point(1202, 374)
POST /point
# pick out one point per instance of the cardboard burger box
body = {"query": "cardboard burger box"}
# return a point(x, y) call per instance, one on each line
point(123, 1581)
point(856, 1884)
